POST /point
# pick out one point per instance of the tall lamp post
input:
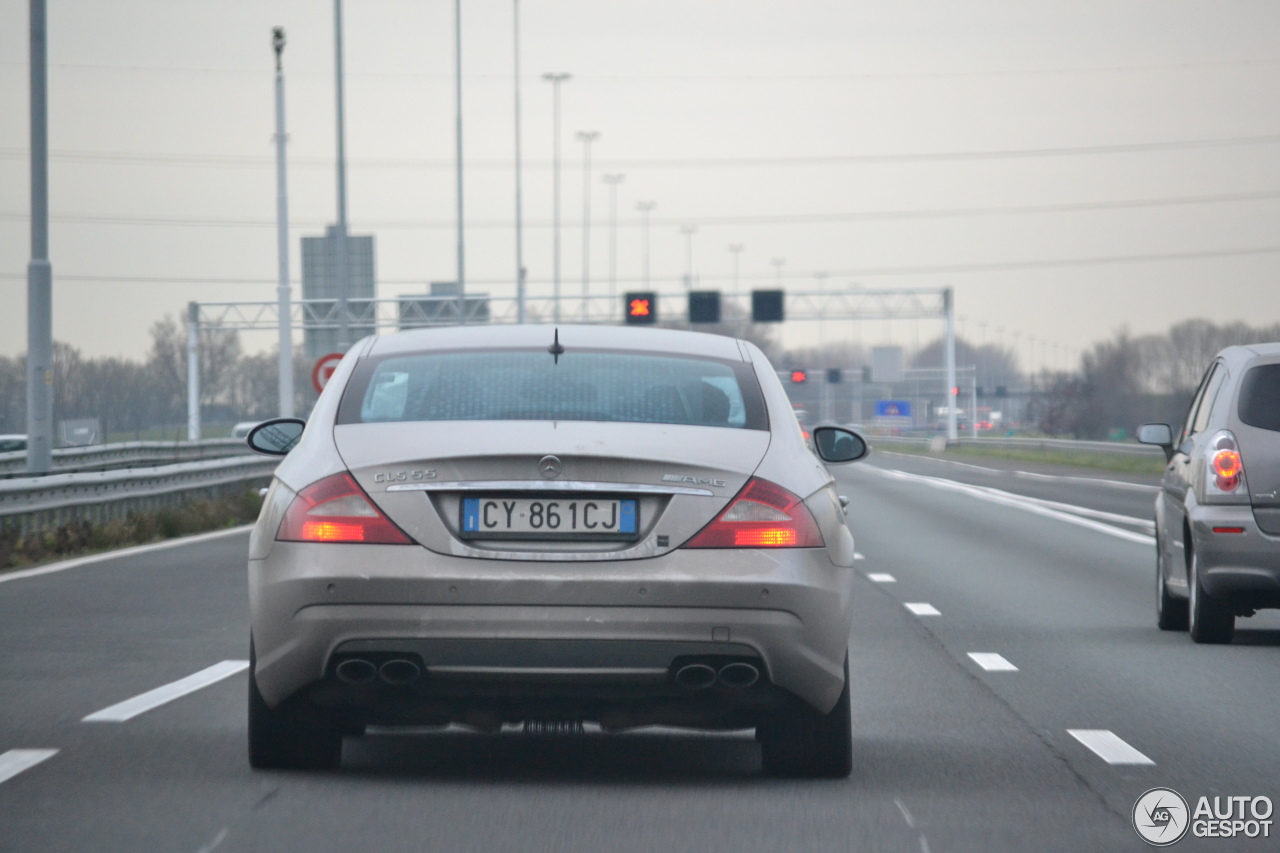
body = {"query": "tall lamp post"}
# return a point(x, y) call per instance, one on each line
point(645, 208)
point(586, 137)
point(735, 249)
point(457, 110)
point(555, 79)
point(344, 267)
point(777, 265)
point(688, 231)
point(39, 270)
point(613, 181)
point(283, 308)
point(521, 296)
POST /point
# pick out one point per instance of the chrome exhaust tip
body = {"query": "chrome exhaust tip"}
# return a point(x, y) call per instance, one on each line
point(356, 671)
point(695, 676)
point(399, 672)
point(738, 675)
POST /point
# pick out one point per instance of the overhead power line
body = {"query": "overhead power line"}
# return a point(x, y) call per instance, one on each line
point(707, 219)
point(408, 163)
point(855, 272)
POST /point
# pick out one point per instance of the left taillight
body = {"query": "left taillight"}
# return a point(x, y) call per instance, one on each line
point(763, 515)
point(1224, 480)
point(336, 509)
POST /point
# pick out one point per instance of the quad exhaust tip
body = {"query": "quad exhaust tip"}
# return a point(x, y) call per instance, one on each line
point(695, 676)
point(360, 672)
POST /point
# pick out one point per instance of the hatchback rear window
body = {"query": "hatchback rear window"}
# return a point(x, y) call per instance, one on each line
point(529, 385)
point(1260, 397)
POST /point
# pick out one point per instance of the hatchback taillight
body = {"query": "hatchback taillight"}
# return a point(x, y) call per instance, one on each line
point(336, 509)
point(1224, 478)
point(763, 515)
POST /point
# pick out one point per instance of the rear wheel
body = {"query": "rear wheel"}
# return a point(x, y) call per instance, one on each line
point(291, 736)
point(1172, 614)
point(807, 743)
point(1212, 620)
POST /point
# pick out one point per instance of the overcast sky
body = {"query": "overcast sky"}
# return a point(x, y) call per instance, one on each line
point(778, 125)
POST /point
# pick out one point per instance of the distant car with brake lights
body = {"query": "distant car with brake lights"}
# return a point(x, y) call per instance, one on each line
point(1218, 512)
point(491, 526)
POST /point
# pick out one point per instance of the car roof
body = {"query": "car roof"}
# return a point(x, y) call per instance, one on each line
point(669, 341)
point(1248, 352)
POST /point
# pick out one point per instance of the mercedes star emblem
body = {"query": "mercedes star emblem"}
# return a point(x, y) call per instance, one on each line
point(549, 467)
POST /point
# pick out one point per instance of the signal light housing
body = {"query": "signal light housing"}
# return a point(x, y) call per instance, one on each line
point(1224, 477)
point(799, 377)
point(336, 509)
point(640, 309)
point(762, 515)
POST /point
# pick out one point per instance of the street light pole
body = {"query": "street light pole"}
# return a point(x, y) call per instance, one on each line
point(777, 265)
point(586, 137)
point(283, 309)
point(645, 208)
point(735, 249)
point(457, 108)
point(688, 231)
point(555, 80)
point(39, 270)
point(344, 267)
point(521, 296)
point(613, 181)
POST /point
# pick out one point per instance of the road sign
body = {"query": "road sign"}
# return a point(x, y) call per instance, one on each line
point(641, 308)
point(704, 306)
point(324, 369)
point(893, 408)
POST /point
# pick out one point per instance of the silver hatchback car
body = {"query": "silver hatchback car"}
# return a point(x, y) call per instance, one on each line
point(488, 526)
point(1218, 513)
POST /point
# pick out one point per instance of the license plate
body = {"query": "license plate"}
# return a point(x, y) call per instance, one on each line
point(550, 518)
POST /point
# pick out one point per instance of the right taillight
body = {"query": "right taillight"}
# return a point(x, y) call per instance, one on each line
point(336, 509)
point(763, 515)
point(1224, 477)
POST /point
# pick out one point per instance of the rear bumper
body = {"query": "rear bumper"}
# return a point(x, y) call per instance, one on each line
point(572, 625)
point(1243, 567)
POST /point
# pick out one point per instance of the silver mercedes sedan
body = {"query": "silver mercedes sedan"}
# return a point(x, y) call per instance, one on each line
point(500, 525)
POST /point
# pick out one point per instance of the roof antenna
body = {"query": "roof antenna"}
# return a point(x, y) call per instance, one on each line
point(556, 349)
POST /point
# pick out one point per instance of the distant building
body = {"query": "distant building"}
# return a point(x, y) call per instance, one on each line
point(320, 281)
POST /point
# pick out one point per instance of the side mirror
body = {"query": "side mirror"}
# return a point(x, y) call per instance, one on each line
point(276, 437)
point(836, 444)
point(1160, 435)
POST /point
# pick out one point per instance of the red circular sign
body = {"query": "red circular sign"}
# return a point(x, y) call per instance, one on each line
point(324, 369)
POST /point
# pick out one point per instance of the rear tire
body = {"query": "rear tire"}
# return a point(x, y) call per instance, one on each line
point(1172, 614)
point(1212, 620)
point(291, 736)
point(806, 743)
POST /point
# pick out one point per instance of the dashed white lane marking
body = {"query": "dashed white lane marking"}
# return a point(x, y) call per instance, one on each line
point(123, 552)
point(992, 662)
point(1034, 505)
point(881, 577)
point(144, 702)
point(922, 609)
point(1107, 746)
point(858, 556)
point(15, 761)
point(906, 815)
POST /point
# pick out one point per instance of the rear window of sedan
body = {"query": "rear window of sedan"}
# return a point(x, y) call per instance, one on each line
point(530, 385)
point(1260, 397)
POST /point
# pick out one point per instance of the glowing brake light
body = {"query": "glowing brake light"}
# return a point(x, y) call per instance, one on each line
point(1225, 475)
point(1226, 465)
point(336, 509)
point(763, 515)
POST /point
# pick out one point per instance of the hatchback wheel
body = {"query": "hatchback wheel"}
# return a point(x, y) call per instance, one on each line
point(1212, 620)
point(1172, 614)
point(809, 744)
point(293, 736)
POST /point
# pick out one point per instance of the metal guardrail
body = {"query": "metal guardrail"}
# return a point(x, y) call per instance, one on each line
point(128, 454)
point(30, 504)
point(1006, 443)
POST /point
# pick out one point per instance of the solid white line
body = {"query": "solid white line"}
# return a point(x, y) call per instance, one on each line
point(1032, 505)
point(1093, 481)
point(123, 552)
point(922, 609)
point(15, 761)
point(992, 662)
point(881, 577)
point(140, 704)
point(1107, 746)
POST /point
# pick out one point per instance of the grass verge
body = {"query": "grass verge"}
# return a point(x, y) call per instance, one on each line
point(82, 537)
point(1115, 462)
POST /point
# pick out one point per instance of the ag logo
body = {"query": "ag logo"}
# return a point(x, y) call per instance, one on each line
point(1160, 817)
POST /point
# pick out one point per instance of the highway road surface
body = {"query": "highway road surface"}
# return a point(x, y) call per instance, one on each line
point(1010, 693)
